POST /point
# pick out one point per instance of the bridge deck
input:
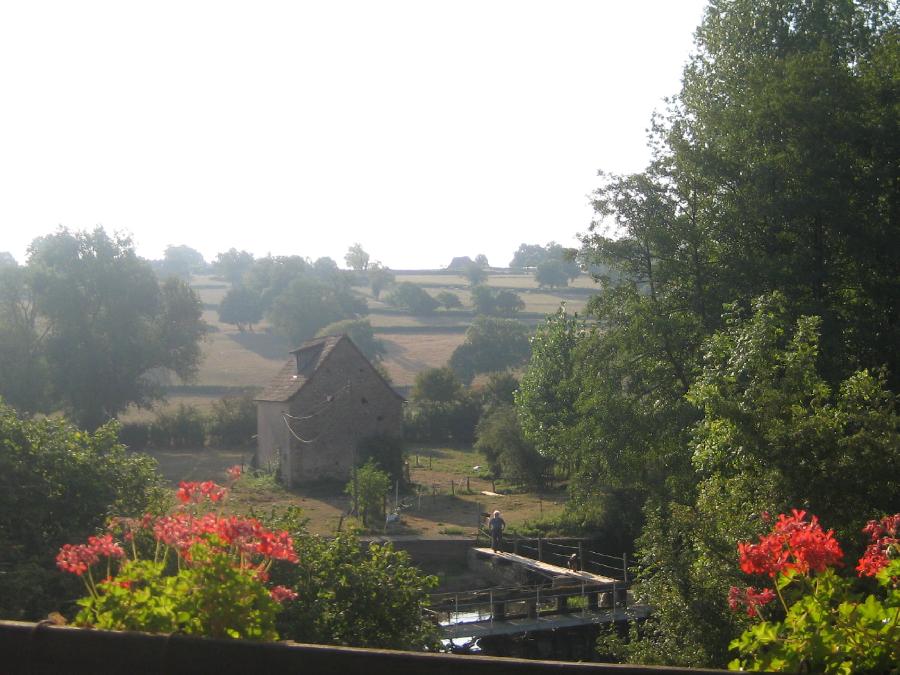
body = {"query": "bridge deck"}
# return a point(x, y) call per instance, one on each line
point(560, 576)
point(476, 629)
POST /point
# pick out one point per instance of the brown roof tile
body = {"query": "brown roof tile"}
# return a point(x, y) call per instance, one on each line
point(288, 381)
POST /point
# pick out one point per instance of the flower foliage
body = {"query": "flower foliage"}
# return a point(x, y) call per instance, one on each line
point(207, 574)
point(826, 626)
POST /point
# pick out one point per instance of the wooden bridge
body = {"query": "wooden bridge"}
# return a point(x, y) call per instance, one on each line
point(564, 598)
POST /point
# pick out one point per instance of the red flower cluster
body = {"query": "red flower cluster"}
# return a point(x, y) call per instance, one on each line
point(78, 558)
point(196, 492)
point(234, 472)
point(795, 544)
point(749, 598)
point(182, 530)
point(883, 543)
point(282, 593)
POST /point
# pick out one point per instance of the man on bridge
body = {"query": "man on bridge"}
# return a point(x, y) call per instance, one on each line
point(496, 525)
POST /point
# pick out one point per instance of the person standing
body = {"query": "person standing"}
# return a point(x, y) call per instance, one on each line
point(496, 525)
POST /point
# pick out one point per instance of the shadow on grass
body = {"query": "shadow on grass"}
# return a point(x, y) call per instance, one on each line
point(265, 344)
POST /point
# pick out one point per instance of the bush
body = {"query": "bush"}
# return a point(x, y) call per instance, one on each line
point(508, 453)
point(354, 595)
point(412, 298)
point(232, 422)
point(368, 489)
point(135, 435)
point(494, 302)
point(56, 483)
point(434, 422)
point(183, 428)
point(491, 345)
point(449, 300)
point(386, 451)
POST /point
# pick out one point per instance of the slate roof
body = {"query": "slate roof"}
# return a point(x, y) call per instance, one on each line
point(288, 381)
point(285, 385)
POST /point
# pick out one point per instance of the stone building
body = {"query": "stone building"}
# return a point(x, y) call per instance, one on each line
point(313, 414)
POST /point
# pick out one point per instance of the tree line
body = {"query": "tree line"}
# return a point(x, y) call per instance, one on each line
point(743, 359)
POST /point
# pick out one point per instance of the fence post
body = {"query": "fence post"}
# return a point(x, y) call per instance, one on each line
point(467, 485)
point(580, 556)
point(625, 567)
point(452, 488)
point(540, 550)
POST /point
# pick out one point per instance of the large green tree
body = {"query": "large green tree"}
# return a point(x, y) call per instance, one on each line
point(93, 326)
point(774, 169)
point(491, 345)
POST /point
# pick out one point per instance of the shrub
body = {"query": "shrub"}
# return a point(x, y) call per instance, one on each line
point(368, 489)
point(449, 300)
point(386, 451)
point(509, 455)
point(182, 428)
point(232, 422)
point(354, 595)
point(57, 482)
point(412, 298)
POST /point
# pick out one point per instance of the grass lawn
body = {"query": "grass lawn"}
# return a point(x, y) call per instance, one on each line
point(439, 505)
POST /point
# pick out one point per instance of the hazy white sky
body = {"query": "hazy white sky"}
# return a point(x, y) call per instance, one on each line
point(422, 130)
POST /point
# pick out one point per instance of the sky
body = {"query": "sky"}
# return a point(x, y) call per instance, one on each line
point(422, 130)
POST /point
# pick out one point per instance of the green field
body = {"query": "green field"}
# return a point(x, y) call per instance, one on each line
point(234, 360)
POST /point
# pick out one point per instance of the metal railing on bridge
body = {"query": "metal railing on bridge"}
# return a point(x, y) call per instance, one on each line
point(554, 552)
point(520, 602)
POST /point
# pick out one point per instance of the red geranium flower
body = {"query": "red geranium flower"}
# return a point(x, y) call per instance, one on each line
point(795, 543)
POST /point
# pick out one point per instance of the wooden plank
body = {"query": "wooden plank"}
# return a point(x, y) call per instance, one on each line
point(559, 575)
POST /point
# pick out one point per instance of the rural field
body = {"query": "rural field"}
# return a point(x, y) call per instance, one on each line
point(446, 499)
point(449, 485)
point(235, 361)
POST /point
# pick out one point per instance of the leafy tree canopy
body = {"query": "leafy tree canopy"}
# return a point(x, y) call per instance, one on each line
point(241, 306)
point(438, 385)
point(181, 261)
point(359, 596)
point(233, 264)
point(90, 323)
point(449, 300)
point(380, 277)
point(360, 331)
point(491, 345)
point(496, 302)
point(412, 298)
point(356, 258)
point(774, 168)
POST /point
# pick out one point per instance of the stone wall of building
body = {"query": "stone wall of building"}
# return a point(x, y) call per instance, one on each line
point(343, 402)
point(273, 437)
